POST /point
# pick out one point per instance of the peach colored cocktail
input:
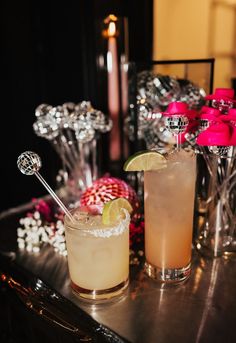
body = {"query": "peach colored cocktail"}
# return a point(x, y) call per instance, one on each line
point(169, 204)
point(98, 255)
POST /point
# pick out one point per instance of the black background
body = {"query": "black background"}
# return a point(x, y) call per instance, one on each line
point(48, 54)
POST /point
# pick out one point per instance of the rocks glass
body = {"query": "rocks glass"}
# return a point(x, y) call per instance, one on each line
point(98, 254)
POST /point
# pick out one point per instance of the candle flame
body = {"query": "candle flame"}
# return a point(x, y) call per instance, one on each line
point(111, 29)
point(110, 18)
point(110, 24)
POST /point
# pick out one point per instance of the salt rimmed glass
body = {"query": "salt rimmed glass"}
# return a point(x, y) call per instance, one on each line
point(98, 255)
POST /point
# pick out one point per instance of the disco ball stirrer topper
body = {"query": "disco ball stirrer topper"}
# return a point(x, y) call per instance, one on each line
point(222, 99)
point(217, 138)
point(29, 163)
point(176, 119)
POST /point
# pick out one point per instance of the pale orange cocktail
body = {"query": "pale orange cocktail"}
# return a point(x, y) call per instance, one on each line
point(169, 203)
point(98, 255)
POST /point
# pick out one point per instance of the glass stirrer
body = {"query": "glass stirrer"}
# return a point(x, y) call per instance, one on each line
point(29, 163)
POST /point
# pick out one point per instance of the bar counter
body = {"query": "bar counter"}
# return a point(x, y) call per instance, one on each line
point(203, 309)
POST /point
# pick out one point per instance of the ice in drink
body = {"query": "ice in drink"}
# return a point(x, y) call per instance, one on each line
point(98, 255)
point(169, 205)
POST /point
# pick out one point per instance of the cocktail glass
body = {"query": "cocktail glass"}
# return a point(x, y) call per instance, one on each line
point(168, 208)
point(98, 254)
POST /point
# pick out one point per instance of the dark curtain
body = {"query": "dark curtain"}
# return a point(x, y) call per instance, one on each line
point(48, 56)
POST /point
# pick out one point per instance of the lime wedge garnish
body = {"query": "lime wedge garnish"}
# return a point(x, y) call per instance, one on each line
point(145, 160)
point(112, 210)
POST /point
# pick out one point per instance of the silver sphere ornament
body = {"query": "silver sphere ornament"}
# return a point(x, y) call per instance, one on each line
point(105, 125)
point(176, 124)
point(192, 94)
point(222, 105)
point(42, 110)
point(204, 124)
point(69, 107)
point(83, 106)
point(219, 150)
point(29, 163)
point(84, 132)
point(46, 127)
point(59, 115)
point(159, 90)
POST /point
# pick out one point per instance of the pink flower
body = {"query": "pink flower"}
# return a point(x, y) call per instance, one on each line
point(44, 209)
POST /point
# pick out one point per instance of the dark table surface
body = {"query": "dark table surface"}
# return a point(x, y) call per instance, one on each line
point(201, 310)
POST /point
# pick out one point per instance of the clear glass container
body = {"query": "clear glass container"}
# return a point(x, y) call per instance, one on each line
point(168, 209)
point(98, 255)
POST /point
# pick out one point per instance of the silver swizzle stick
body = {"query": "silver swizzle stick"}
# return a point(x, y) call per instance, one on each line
point(176, 124)
point(29, 163)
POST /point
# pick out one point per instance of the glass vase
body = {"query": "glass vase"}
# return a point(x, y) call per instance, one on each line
point(216, 201)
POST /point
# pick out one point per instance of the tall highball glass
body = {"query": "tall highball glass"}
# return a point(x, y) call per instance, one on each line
point(169, 205)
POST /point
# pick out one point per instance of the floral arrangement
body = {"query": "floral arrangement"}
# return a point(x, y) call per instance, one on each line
point(44, 224)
